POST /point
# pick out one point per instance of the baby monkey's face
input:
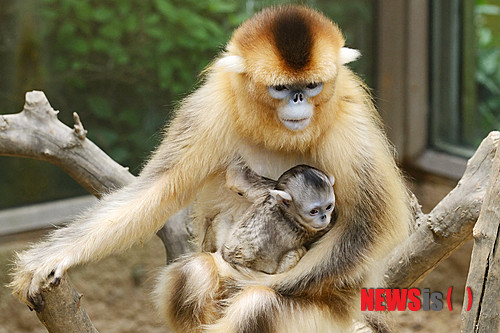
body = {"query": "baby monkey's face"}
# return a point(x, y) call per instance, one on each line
point(316, 210)
point(307, 193)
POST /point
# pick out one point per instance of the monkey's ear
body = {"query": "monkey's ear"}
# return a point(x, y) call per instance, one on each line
point(231, 63)
point(281, 196)
point(347, 55)
point(332, 179)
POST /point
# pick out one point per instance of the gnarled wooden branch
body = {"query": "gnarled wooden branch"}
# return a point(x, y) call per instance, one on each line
point(36, 133)
point(447, 226)
point(483, 314)
point(63, 312)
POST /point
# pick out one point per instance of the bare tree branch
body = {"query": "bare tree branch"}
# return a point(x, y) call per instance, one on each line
point(447, 226)
point(484, 270)
point(62, 312)
point(36, 133)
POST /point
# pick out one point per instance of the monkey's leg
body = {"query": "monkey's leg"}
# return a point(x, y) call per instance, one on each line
point(290, 259)
point(186, 293)
point(251, 311)
point(259, 309)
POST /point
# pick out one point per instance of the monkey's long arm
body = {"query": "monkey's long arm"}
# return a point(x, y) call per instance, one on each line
point(132, 213)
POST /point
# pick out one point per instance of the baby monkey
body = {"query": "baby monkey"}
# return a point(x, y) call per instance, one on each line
point(285, 218)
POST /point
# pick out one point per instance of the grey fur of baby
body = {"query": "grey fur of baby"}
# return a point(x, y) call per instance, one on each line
point(284, 220)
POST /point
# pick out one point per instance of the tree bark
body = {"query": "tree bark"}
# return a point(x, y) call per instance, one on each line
point(480, 312)
point(63, 312)
point(37, 133)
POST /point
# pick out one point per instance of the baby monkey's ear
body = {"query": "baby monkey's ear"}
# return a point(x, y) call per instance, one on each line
point(332, 180)
point(281, 197)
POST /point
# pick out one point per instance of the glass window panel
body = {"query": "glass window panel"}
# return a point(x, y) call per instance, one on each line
point(465, 73)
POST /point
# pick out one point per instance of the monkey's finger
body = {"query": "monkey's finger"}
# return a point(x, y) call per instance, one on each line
point(56, 279)
point(36, 302)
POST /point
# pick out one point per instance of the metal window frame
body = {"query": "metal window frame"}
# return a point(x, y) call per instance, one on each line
point(403, 85)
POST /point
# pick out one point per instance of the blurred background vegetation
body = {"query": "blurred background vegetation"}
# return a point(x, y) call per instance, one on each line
point(123, 66)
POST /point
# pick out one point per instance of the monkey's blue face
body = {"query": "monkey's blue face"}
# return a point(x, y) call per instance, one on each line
point(296, 112)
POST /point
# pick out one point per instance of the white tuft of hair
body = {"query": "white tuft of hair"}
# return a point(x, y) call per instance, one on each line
point(231, 63)
point(347, 55)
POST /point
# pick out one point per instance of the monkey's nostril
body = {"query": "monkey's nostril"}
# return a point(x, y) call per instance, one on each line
point(298, 97)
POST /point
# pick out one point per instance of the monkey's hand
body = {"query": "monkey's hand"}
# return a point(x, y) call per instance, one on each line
point(236, 179)
point(290, 259)
point(35, 269)
point(246, 183)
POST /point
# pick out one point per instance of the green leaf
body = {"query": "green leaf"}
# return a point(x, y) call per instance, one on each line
point(167, 9)
point(100, 107)
point(66, 32)
point(113, 30)
point(103, 14)
point(99, 45)
point(131, 23)
point(130, 117)
point(79, 46)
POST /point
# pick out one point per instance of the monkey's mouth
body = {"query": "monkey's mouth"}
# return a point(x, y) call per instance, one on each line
point(296, 124)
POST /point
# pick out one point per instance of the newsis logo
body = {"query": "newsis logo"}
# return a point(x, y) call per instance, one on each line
point(412, 299)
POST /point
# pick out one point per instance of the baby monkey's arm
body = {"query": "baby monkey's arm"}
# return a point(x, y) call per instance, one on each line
point(244, 181)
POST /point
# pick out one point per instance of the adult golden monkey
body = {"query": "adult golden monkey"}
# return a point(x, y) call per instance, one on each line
point(278, 96)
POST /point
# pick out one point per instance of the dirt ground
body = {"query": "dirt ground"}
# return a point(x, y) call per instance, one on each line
point(116, 289)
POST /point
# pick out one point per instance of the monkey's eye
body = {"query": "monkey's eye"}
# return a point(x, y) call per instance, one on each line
point(313, 89)
point(329, 207)
point(278, 92)
point(280, 88)
point(312, 85)
point(313, 212)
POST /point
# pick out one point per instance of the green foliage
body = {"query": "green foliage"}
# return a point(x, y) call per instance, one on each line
point(107, 54)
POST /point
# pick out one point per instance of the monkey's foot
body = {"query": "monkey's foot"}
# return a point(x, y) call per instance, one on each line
point(290, 259)
point(30, 274)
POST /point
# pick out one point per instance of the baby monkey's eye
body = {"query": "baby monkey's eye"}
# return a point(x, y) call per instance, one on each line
point(313, 212)
point(329, 207)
